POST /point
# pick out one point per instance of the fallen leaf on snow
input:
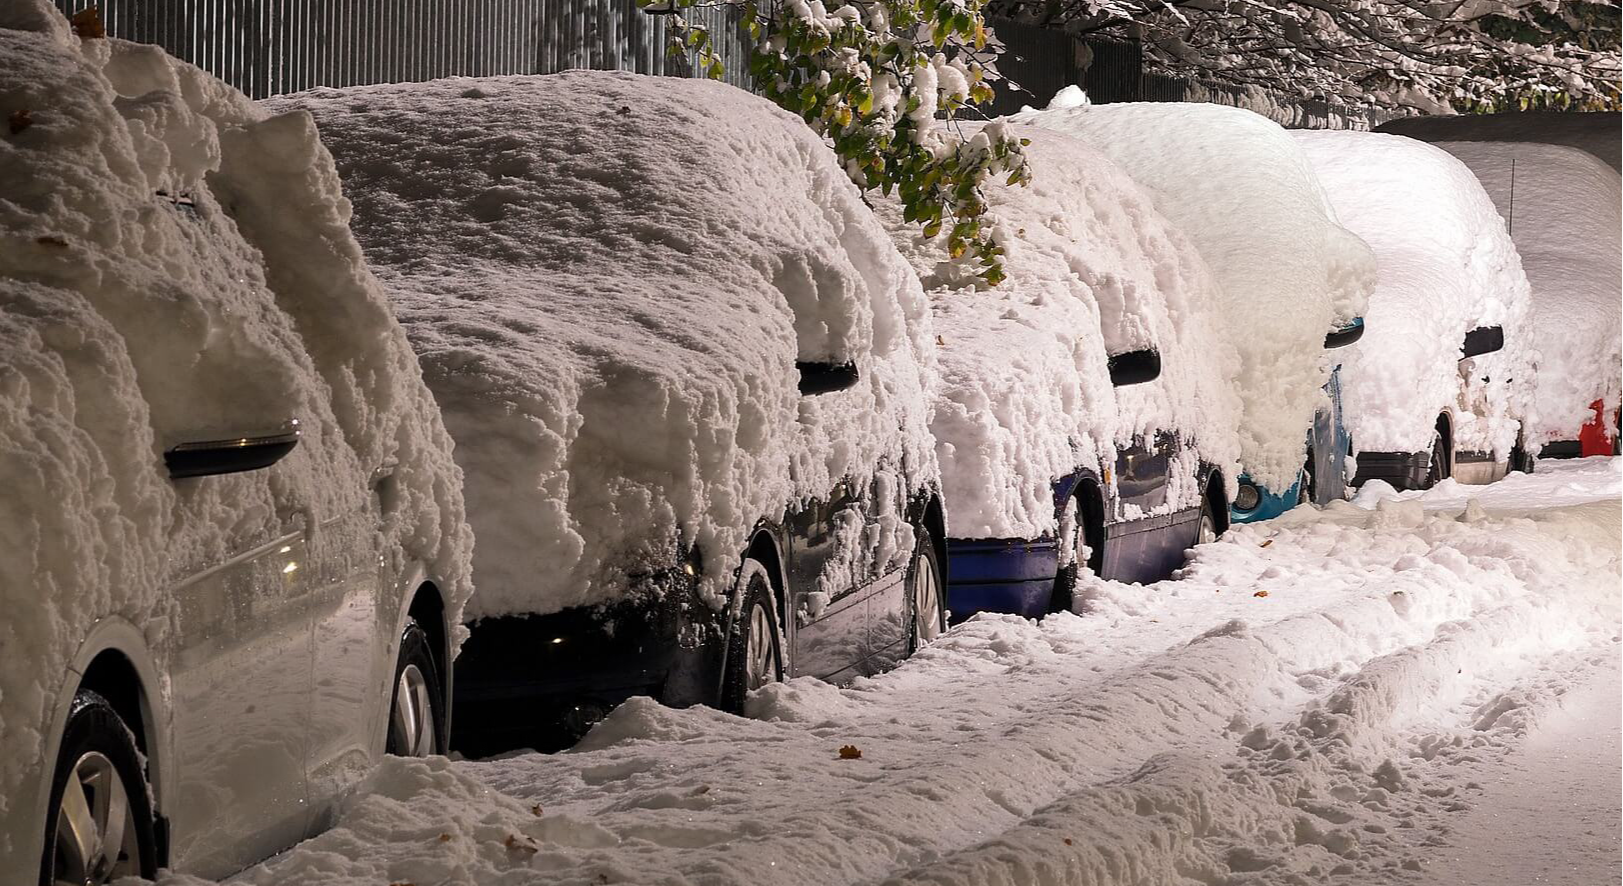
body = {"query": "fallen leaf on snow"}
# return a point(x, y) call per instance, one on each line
point(536, 810)
point(515, 843)
point(1266, 543)
point(445, 838)
point(850, 752)
point(1260, 594)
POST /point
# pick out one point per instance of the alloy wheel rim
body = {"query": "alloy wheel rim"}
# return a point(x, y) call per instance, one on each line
point(926, 603)
point(758, 665)
point(413, 714)
point(96, 839)
point(1208, 532)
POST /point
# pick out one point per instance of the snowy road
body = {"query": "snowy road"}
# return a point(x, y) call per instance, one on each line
point(1334, 696)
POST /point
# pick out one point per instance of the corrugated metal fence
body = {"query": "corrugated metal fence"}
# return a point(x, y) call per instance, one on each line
point(265, 47)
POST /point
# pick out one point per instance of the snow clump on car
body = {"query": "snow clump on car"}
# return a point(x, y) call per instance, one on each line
point(1025, 396)
point(1240, 189)
point(609, 279)
point(1446, 267)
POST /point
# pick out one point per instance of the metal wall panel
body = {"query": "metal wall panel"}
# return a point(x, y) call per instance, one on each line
point(266, 47)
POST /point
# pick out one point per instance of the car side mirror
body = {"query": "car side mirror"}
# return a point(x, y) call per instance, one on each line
point(208, 457)
point(1346, 335)
point(1482, 340)
point(824, 378)
point(1135, 368)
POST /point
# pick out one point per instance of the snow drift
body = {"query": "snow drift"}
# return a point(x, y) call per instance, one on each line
point(1025, 395)
point(609, 279)
point(175, 266)
point(1565, 226)
point(1446, 267)
point(1240, 189)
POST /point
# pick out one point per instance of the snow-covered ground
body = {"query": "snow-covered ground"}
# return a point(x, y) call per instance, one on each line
point(1338, 695)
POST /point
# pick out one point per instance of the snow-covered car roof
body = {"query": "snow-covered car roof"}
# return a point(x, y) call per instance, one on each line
point(608, 279)
point(1238, 187)
point(1446, 266)
point(175, 267)
point(1025, 395)
point(1565, 223)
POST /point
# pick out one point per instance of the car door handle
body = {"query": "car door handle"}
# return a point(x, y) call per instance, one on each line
point(230, 456)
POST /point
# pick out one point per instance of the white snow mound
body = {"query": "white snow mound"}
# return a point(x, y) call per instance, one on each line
point(1240, 189)
point(608, 279)
point(130, 323)
point(1566, 227)
point(1446, 267)
point(1025, 397)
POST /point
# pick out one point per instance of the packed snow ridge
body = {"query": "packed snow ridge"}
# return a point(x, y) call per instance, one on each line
point(1316, 697)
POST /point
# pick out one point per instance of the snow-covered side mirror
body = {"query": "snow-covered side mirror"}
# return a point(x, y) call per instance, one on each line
point(209, 457)
point(1346, 335)
point(823, 378)
point(1482, 340)
point(1135, 368)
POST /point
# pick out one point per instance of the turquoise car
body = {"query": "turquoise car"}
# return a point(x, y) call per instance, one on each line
point(1324, 475)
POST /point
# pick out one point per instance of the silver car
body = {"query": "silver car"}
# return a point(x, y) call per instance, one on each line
point(232, 534)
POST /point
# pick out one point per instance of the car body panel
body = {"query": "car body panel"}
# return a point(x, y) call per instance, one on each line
point(1018, 576)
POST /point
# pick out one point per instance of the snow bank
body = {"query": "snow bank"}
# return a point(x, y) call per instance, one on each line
point(1307, 704)
point(1446, 267)
point(608, 279)
point(1240, 189)
point(130, 323)
point(1565, 226)
point(1025, 395)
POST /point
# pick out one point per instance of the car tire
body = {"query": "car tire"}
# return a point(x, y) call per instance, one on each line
point(416, 713)
point(754, 643)
point(1206, 530)
point(1440, 467)
point(99, 781)
point(1070, 574)
point(926, 593)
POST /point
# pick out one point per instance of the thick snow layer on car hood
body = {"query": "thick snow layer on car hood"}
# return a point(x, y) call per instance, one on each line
point(1446, 267)
point(608, 279)
point(1025, 395)
point(1240, 189)
point(130, 323)
point(1565, 226)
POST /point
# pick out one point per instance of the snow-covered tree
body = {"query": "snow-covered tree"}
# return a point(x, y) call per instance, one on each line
point(1391, 54)
point(882, 80)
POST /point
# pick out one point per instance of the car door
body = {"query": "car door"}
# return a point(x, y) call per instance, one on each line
point(354, 616)
point(830, 611)
point(1143, 538)
point(240, 680)
point(890, 616)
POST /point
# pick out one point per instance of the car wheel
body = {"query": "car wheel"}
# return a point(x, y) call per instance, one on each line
point(98, 826)
point(754, 651)
point(1207, 531)
point(925, 593)
point(416, 718)
point(1074, 526)
point(1438, 470)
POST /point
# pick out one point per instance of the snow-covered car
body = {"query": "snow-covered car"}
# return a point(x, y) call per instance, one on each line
point(687, 375)
point(1292, 281)
point(232, 549)
point(1084, 421)
point(1561, 206)
point(1440, 385)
